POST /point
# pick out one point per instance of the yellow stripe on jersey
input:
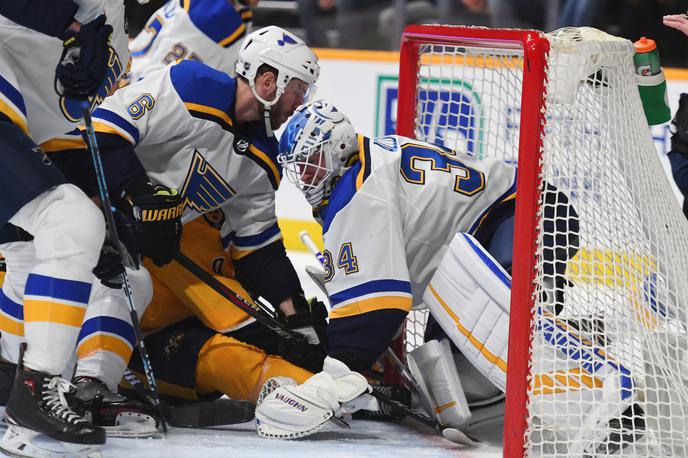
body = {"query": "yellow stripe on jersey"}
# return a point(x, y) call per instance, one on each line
point(247, 15)
point(233, 37)
point(266, 159)
point(362, 158)
point(107, 129)
point(104, 342)
point(212, 111)
point(53, 312)
point(62, 144)
point(17, 118)
point(186, 4)
point(372, 305)
point(11, 326)
point(494, 359)
point(237, 254)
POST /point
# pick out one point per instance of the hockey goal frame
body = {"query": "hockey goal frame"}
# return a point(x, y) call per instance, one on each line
point(535, 48)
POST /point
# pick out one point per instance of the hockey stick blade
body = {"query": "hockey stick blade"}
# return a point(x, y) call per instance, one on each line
point(451, 434)
point(204, 414)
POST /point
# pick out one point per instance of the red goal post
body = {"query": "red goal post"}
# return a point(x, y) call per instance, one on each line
point(534, 47)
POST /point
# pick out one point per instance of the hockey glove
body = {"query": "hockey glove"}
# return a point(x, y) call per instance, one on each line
point(309, 319)
point(84, 61)
point(155, 218)
point(110, 267)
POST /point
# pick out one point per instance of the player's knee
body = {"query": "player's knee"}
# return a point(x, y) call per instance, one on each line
point(71, 229)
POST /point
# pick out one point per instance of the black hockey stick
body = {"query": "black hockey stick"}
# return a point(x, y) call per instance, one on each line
point(112, 232)
point(271, 323)
point(199, 414)
point(260, 316)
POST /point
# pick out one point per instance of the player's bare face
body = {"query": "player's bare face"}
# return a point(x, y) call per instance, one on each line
point(294, 95)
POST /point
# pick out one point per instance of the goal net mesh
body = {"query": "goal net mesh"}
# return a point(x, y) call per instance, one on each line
point(608, 366)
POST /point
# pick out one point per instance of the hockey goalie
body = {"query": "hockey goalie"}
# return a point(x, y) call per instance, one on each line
point(407, 222)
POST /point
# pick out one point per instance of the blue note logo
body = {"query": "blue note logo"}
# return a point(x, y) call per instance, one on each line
point(449, 113)
point(286, 39)
point(204, 189)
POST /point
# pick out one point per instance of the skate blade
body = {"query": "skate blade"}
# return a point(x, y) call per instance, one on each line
point(24, 442)
point(459, 437)
point(135, 426)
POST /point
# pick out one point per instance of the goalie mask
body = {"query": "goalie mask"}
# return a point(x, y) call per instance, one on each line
point(284, 52)
point(316, 148)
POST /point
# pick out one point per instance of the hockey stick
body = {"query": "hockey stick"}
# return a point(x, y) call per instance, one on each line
point(112, 231)
point(199, 414)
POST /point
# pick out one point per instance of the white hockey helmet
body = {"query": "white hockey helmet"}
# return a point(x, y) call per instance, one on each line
point(317, 147)
point(283, 51)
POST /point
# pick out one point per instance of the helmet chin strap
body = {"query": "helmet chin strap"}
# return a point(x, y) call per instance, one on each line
point(267, 105)
point(266, 118)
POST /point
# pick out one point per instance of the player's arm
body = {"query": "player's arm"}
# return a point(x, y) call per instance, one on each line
point(125, 120)
point(254, 241)
point(367, 281)
point(51, 17)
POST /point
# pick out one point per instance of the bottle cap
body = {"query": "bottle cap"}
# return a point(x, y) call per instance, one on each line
point(645, 45)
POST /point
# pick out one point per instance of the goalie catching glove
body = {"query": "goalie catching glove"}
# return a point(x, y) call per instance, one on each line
point(294, 411)
point(154, 217)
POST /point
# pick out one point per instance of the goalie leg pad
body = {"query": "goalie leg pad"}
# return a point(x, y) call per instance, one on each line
point(434, 369)
point(469, 297)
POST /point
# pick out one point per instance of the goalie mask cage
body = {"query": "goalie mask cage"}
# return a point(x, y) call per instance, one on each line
point(597, 361)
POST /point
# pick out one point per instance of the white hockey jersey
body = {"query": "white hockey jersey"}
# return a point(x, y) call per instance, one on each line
point(27, 71)
point(210, 31)
point(181, 122)
point(392, 215)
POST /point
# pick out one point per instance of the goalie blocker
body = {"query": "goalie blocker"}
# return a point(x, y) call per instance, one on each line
point(469, 297)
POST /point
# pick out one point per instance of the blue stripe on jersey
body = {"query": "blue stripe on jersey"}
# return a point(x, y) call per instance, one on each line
point(251, 240)
point(114, 118)
point(58, 288)
point(494, 205)
point(13, 94)
point(488, 261)
point(198, 83)
point(341, 195)
point(375, 286)
point(10, 307)
point(108, 324)
point(216, 19)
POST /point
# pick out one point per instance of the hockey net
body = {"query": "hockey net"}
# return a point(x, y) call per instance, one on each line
point(565, 107)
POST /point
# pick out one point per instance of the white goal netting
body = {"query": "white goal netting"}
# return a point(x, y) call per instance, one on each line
point(608, 366)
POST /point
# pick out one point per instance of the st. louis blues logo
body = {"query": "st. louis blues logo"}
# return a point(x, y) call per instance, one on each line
point(73, 109)
point(204, 189)
point(286, 39)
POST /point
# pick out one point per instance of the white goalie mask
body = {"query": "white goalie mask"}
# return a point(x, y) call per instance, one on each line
point(316, 148)
point(283, 51)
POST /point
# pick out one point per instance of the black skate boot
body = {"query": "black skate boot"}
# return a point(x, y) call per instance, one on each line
point(119, 415)
point(8, 372)
point(388, 412)
point(38, 405)
point(679, 126)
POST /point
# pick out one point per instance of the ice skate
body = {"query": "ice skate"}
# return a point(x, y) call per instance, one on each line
point(119, 415)
point(37, 408)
